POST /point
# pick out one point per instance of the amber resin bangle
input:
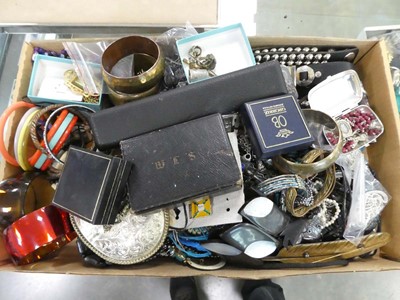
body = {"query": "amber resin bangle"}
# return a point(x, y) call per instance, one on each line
point(38, 234)
point(23, 194)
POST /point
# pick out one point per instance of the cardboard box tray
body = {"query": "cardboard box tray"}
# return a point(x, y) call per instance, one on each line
point(384, 157)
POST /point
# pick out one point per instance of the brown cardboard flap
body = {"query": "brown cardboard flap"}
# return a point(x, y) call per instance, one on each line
point(70, 262)
point(384, 155)
point(110, 13)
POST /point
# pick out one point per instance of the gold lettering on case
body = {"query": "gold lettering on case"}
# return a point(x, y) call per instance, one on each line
point(274, 110)
point(284, 133)
point(192, 155)
point(175, 160)
point(279, 121)
point(160, 164)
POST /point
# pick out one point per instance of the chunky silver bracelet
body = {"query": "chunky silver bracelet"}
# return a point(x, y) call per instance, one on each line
point(281, 182)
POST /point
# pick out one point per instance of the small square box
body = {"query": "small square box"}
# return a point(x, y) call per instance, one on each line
point(276, 126)
point(229, 45)
point(92, 185)
point(340, 96)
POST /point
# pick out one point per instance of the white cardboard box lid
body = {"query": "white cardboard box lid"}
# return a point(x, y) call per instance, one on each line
point(110, 13)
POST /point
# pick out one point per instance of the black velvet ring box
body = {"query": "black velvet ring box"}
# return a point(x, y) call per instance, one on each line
point(92, 185)
point(180, 162)
point(275, 126)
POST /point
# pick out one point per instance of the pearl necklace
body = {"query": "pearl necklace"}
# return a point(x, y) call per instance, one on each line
point(324, 215)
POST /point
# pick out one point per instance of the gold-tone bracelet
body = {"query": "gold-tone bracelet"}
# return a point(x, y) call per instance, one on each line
point(326, 190)
point(305, 170)
point(148, 62)
point(118, 98)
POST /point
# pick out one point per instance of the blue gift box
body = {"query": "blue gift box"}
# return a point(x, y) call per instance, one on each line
point(276, 126)
point(47, 86)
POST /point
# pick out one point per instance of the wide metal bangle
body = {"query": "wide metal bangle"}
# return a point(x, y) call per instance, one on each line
point(118, 98)
point(313, 118)
point(147, 53)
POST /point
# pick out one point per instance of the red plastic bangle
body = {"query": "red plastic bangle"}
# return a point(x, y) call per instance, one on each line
point(38, 234)
point(3, 119)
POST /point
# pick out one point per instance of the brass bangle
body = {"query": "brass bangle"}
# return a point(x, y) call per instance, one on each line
point(150, 55)
point(118, 98)
point(308, 169)
point(327, 189)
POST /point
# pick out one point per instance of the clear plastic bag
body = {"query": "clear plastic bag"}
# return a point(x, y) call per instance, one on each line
point(369, 198)
point(288, 74)
point(86, 58)
point(174, 75)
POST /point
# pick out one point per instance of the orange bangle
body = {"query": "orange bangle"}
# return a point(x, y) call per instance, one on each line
point(34, 158)
point(60, 143)
point(3, 119)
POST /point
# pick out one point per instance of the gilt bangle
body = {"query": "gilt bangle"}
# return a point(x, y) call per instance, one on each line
point(38, 234)
point(329, 185)
point(118, 98)
point(148, 62)
point(314, 119)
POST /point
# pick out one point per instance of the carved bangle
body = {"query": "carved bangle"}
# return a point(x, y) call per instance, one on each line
point(313, 118)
